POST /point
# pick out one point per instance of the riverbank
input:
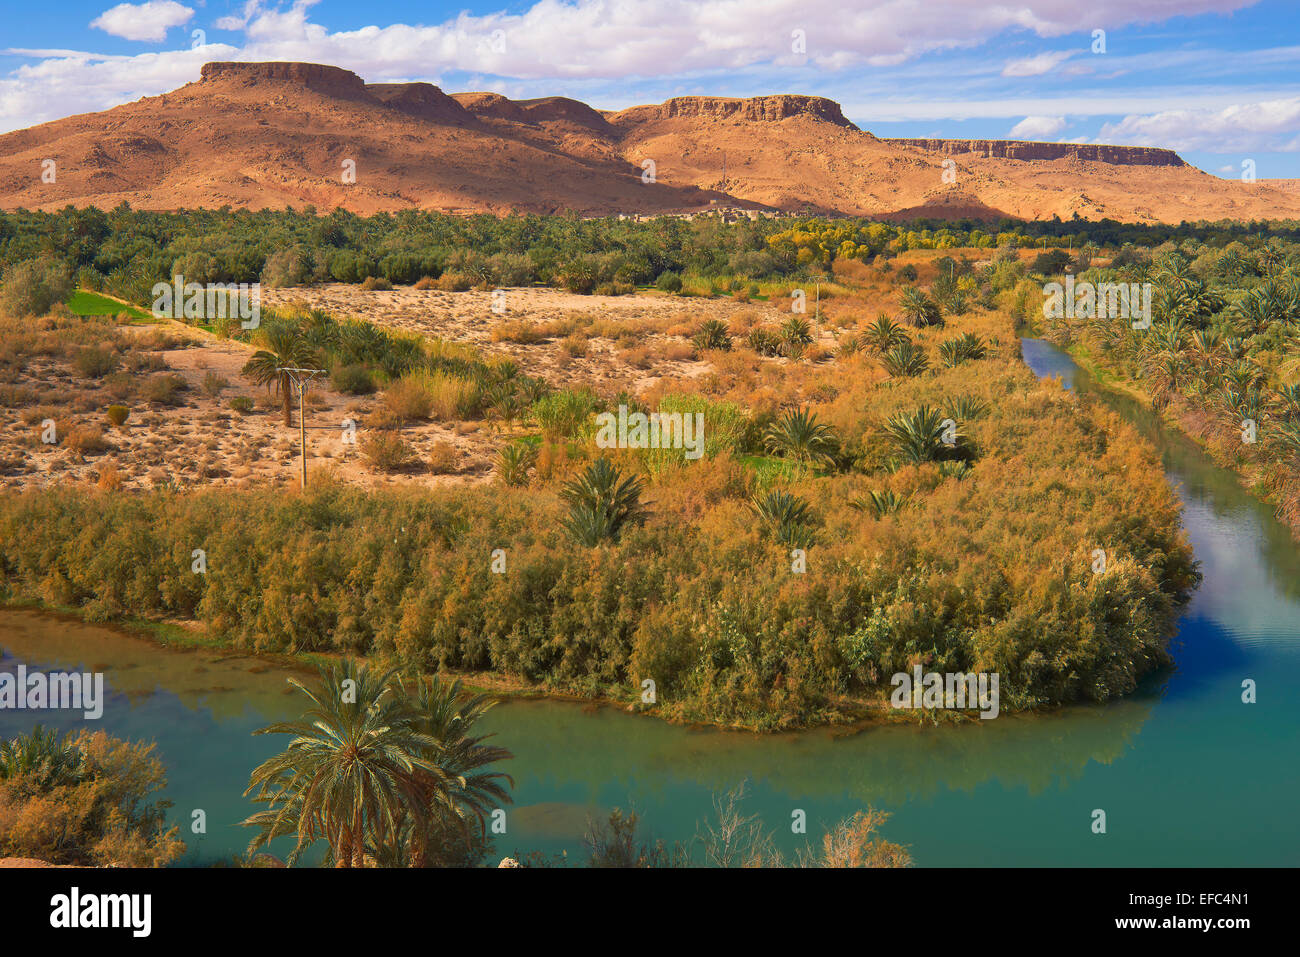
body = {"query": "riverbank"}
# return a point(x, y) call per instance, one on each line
point(854, 715)
point(915, 500)
point(1220, 441)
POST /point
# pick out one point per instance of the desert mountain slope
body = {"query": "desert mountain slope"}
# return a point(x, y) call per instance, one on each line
point(264, 135)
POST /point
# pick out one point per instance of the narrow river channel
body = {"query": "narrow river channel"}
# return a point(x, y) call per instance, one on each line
point(1187, 773)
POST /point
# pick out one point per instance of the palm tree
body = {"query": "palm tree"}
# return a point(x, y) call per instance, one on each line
point(878, 504)
point(44, 759)
point(919, 309)
point(966, 346)
point(602, 503)
point(919, 435)
point(514, 461)
point(712, 334)
point(906, 359)
point(281, 346)
point(798, 435)
point(786, 517)
point(357, 770)
point(885, 333)
point(1165, 377)
point(464, 793)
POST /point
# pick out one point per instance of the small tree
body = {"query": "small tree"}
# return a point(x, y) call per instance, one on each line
point(32, 286)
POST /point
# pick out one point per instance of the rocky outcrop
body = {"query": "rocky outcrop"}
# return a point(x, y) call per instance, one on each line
point(491, 105)
point(1027, 150)
point(331, 80)
point(764, 109)
point(419, 99)
point(562, 109)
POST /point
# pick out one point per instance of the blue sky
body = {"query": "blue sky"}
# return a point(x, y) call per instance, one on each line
point(1216, 80)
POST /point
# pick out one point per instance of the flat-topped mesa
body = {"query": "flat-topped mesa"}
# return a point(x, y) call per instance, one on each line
point(332, 80)
point(1028, 150)
point(773, 108)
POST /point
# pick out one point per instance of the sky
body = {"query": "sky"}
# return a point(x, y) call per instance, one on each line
point(1216, 80)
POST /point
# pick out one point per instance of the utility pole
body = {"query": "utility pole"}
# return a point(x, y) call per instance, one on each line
point(301, 378)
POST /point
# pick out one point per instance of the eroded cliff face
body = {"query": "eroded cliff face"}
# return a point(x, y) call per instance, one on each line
point(269, 135)
point(1023, 150)
point(755, 108)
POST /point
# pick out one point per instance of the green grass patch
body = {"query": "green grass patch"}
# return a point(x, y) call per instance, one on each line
point(86, 303)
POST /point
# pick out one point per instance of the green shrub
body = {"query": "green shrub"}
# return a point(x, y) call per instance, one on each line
point(352, 380)
point(669, 282)
point(32, 287)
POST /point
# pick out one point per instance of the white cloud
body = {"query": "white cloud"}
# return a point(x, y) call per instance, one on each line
point(82, 83)
point(143, 21)
point(583, 46)
point(1037, 65)
point(1038, 127)
point(596, 38)
point(238, 22)
point(1262, 125)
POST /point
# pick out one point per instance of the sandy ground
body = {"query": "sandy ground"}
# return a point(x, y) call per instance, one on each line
point(632, 342)
point(203, 441)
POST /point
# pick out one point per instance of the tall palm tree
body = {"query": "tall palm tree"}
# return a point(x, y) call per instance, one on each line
point(358, 768)
point(465, 793)
point(281, 346)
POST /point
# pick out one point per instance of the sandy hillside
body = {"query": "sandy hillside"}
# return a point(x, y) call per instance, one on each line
point(270, 135)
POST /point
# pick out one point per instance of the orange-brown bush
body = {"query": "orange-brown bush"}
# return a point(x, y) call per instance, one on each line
point(99, 809)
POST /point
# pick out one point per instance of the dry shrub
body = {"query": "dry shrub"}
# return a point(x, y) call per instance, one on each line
point(386, 451)
point(117, 415)
point(163, 389)
point(442, 458)
point(451, 397)
point(676, 351)
point(452, 281)
point(93, 363)
point(566, 325)
point(552, 460)
point(103, 812)
point(854, 843)
point(742, 321)
point(407, 399)
point(38, 414)
point(517, 331)
point(682, 329)
point(110, 479)
point(120, 385)
point(373, 283)
point(85, 439)
point(576, 345)
point(426, 282)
